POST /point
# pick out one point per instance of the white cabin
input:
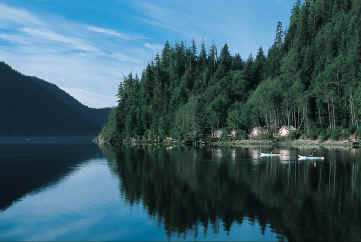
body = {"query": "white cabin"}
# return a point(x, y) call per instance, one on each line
point(285, 131)
point(217, 133)
point(257, 131)
point(234, 133)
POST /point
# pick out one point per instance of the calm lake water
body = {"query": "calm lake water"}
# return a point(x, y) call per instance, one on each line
point(78, 192)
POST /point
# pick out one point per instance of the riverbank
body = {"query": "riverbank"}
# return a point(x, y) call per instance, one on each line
point(100, 140)
point(286, 143)
point(305, 143)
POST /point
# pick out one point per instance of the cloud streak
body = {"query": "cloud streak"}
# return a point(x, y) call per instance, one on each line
point(68, 54)
point(90, 98)
point(17, 15)
point(73, 43)
point(114, 33)
point(92, 52)
point(244, 25)
point(175, 21)
point(156, 47)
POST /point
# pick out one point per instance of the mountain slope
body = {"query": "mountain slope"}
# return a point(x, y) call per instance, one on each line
point(33, 107)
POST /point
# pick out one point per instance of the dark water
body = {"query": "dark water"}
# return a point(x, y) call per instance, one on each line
point(78, 192)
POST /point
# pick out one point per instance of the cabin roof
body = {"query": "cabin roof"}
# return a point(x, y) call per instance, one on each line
point(290, 127)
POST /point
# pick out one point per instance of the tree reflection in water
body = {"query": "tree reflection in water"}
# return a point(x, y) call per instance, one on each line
point(191, 191)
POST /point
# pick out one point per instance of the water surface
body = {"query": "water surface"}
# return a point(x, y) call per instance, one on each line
point(74, 192)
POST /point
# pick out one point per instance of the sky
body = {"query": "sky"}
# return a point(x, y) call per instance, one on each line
point(86, 47)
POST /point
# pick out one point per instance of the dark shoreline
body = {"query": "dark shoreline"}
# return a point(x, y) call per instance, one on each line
point(47, 140)
point(238, 143)
point(286, 143)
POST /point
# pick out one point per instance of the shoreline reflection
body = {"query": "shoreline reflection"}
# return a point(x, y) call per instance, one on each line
point(298, 200)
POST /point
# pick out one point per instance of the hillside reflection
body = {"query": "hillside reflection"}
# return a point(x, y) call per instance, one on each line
point(27, 169)
point(195, 191)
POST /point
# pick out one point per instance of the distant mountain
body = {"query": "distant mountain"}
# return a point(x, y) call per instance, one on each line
point(30, 106)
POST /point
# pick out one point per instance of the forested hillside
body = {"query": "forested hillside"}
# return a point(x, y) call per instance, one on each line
point(310, 78)
point(33, 107)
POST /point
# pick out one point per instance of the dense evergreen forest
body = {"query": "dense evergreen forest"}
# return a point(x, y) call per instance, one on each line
point(33, 107)
point(310, 78)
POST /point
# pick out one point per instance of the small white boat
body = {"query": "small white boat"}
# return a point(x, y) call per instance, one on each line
point(308, 157)
point(268, 155)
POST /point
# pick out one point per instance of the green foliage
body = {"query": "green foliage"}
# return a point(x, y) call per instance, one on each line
point(266, 136)
point(187, 122)
point(336, 134)
point(314, 133)
point(109, 130)
point(309, 79)
point(293, 135)
point(324, 135)
point(183, 94)
point(238, 117)
point(242, 135)
point(358, 133)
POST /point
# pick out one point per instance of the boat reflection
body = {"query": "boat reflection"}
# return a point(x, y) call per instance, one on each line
point(296, 199)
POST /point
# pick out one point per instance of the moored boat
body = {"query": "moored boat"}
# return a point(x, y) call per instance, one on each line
point(268, 155)
point(308, 157)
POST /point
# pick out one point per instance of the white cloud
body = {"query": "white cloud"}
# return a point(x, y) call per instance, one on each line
point(156, 47)
point(67, 54)
point(93, 58)
point(13, 38)
point(97, 77)
point(125, 58)
point(176, 21)
point(216, 23)
point(90, 98)
point(17, 15)
point(158, 24)
point(114, 33)
point(75, 43)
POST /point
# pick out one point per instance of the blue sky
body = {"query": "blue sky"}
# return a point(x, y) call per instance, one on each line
point(85, 47)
